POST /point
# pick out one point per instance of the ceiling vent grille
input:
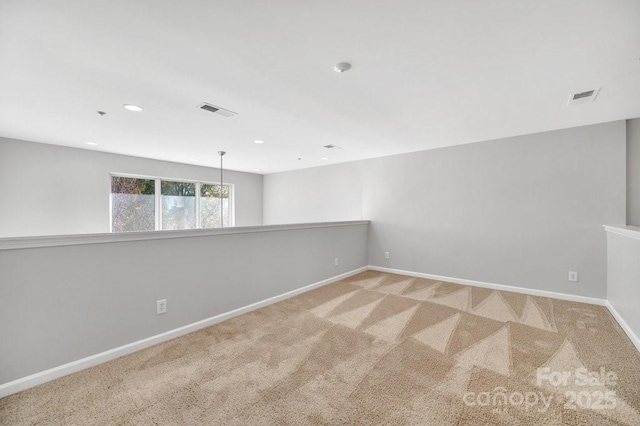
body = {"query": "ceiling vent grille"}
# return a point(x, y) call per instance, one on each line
point(217, 110)
point(583, 97)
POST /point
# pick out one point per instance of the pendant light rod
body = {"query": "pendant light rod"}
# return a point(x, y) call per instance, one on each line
point(221, 153)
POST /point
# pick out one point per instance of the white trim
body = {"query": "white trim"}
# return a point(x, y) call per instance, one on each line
point(80, 239)
point(165, 178)
point(626, 230)
point(623, 324)
point(24, 383)
point(522, 290)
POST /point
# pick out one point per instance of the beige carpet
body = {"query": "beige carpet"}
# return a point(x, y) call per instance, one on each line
point(372, 349)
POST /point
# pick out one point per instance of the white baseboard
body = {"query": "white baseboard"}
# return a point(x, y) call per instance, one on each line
point(623, 324)
point(24, 383)
point(529, 291)
point(563, 296)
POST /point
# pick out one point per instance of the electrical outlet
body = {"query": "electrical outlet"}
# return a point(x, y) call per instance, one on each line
point(336, 262)
point(573, 276)
point(161, 306)
point(386, 254)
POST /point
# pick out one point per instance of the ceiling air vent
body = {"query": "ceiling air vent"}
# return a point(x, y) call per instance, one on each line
point(583, 97)
point(217, 110)
point(332, 146)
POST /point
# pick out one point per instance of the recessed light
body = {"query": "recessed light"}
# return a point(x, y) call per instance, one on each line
point(193, 159)
point(258, 141)
point(91, 143)
point(257, 170)
point(324, 158)
point(130, 107)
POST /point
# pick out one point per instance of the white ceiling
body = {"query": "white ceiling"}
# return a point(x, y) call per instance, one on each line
point(425, 74)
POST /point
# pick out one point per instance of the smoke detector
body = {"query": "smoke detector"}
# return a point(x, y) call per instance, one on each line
point(342, 67)
point(217, 110)
point(583, 97)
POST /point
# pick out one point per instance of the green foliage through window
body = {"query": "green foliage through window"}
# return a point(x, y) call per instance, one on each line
point(181, 189)
point(134, 203)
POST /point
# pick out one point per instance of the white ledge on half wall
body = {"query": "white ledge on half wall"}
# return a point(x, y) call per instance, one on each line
point(626, 230)
point(15, 243)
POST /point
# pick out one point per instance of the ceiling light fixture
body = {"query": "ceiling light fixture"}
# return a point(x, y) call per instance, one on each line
point(324, 158)
point(133, 108)
point(342, 67)
point(91, 143)
point(258, 141)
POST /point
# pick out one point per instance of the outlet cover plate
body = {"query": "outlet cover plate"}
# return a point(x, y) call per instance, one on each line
point(161, 306)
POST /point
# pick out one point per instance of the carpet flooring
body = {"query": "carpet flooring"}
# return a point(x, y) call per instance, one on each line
point(372, 349)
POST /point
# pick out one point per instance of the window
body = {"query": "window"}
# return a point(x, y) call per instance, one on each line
point(178, 205)
point(147, 204)
point(133, 204)
point(213, 206)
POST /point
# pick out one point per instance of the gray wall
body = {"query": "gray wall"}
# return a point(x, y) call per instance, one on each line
point(54, 190)
point(319, 194)
point(520, 211)
point(623, 287)
point(60, 304)
point(633, 172)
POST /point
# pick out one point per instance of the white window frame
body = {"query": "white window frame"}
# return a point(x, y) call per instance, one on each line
point(158, 199)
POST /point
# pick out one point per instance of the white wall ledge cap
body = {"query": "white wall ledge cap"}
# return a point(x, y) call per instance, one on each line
point(626, 230)
point(15, 243)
